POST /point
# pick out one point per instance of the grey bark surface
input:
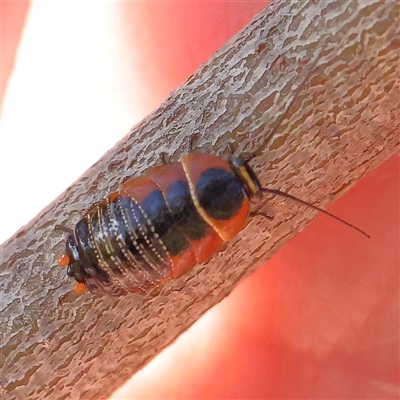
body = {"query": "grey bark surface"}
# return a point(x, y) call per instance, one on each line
point(344, 123)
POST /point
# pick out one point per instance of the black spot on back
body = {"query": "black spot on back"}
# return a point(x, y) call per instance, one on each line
point(184, 211)
point(165, 225)
point(220, 193)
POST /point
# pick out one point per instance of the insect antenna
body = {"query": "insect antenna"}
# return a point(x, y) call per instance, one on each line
point(305, 203)
point(258, 152)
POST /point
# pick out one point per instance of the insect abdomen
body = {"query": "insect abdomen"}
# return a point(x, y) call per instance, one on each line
point(118, 250)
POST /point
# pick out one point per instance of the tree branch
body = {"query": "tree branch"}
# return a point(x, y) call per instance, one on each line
point(343, 124)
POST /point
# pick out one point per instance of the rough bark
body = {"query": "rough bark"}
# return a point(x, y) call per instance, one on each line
point(343, 124)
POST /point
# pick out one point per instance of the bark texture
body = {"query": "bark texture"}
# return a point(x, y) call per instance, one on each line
point(343, 124)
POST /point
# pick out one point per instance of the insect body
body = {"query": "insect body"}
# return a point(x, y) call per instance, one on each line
point(158, 226)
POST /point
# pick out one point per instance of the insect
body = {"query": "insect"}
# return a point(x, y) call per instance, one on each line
point(158, 226)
